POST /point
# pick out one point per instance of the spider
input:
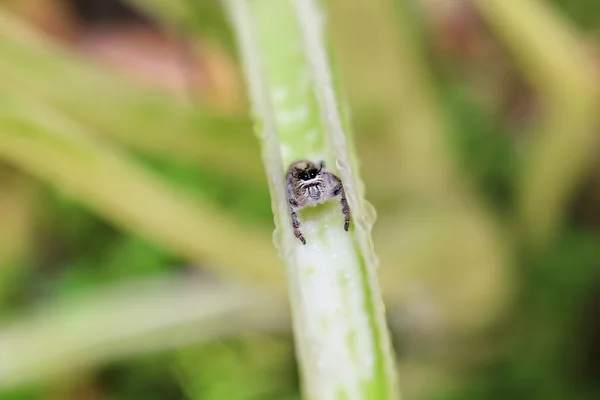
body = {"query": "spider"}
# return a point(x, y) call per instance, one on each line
point(309, 185)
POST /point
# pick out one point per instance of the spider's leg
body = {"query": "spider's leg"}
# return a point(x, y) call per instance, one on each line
point(338, 190)
point(296, 221)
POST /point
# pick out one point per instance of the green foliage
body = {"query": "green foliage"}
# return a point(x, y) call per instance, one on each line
point(484, 148)
point(249, 368)
point(583, 12)
point(551, 335)
point(147, 377)
point(244, 199)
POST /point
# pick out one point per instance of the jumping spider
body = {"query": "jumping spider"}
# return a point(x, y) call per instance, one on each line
point(309, 185)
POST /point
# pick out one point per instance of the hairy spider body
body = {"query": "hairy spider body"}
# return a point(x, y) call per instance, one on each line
point(310, 185)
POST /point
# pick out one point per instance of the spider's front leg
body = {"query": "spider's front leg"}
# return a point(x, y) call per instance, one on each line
point(294, 206)
point(338, 190)
point(295, 220)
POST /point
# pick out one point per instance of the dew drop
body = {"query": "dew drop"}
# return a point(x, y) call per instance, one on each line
point(366, 222)
point(277, 240)
point(373, 259)
point(279, 94)
point(370, 214)
point(340, 164)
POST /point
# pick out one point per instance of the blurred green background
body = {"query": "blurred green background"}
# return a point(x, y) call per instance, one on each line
point(127, 156)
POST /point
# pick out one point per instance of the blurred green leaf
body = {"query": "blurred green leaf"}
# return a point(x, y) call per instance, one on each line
point(112, 184)
point(126, 320)
point(197, 18)
point(250, 368)
point(16, 228)
point(141, 118)
point(567, 86)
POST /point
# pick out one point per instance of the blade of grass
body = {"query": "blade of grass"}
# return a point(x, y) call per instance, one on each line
point(61, 153)
point(340, 331)
point(128, 320)
point(553, 58)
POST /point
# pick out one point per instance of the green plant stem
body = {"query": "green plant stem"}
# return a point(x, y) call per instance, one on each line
point(555, 62)
point(341, 337)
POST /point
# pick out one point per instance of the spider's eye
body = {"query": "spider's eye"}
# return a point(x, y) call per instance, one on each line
point(303, 175)
point(313, 174)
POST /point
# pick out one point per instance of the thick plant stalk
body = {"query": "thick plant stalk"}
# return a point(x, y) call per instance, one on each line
point(338, 316)
point(554, 60)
